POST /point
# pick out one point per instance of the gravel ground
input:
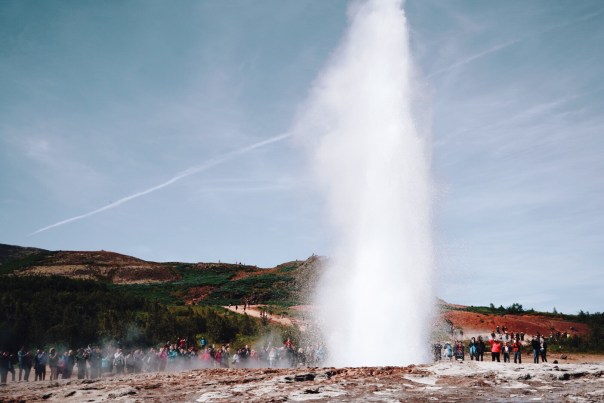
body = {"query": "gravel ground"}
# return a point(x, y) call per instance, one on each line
point(444, 381)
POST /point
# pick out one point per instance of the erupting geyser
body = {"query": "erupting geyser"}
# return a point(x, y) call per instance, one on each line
point(375, 300)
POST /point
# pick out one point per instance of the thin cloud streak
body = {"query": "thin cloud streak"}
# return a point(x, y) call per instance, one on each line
point(474, 57)
point(188, 172)
point(505, 45)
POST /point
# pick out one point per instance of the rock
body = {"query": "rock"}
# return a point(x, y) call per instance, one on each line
point(301, 377)
point(122, 392)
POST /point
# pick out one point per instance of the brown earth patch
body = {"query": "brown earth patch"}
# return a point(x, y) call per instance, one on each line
point(472, 322)
point(102, 266)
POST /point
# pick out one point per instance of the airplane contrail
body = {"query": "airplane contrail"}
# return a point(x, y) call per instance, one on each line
point(504, 45)
point(188, 172)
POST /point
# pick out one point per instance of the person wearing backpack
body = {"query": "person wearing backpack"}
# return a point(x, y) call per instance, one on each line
point(119, 361)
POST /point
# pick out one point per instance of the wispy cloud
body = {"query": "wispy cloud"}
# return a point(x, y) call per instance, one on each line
point(188, 172)
point(470, 59)
point(507, 44)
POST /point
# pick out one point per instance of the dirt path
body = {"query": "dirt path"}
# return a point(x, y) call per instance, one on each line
point(256, 312)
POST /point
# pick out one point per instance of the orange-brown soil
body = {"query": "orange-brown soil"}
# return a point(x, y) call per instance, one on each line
point(476, 323)
point(104, 266)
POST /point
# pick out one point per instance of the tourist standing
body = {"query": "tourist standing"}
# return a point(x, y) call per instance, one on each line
point(472, 348)
point(40, 361)
point(506, 352)
point(480, 348)
point(53, 364)
point(459, 351)
point(517, 347)
point(536, 346)
point(118, 361)
point(28, 361)
point(20, 355)
point(4, 359)
point(495, 350)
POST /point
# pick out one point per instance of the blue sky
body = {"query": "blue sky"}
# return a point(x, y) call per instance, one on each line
point(102, 100)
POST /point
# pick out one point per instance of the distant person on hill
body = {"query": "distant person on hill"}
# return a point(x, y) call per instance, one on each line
point(536, 346)
point(543, 350)
point(480, 348)
point(472, 348)
point(495, 350)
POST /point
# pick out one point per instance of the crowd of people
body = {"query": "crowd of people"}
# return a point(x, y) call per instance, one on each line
point(500, 342)
point(181, 354)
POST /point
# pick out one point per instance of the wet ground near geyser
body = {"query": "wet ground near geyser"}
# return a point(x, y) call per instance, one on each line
point(445, 381)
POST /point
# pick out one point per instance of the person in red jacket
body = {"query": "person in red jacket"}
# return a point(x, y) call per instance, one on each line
point(517, 347)
point(495, 350)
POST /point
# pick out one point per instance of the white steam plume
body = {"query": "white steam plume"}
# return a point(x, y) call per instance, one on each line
point(188, 172)
point(375, 299)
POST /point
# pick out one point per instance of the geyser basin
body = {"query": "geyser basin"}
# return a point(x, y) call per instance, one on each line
point(375, 300)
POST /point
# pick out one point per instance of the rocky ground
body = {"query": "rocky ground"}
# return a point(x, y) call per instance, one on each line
point(444, 381)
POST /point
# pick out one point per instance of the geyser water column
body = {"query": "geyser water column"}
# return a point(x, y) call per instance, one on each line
point(375, 300)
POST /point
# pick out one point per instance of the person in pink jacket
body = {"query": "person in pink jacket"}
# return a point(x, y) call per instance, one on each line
point(495, 349)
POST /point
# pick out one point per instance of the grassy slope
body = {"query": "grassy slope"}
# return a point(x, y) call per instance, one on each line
point(203, 283)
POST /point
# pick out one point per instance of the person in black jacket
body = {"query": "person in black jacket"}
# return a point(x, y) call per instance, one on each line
point(28, 362)
point(480, 347)
point(536, 349)
point(4, 363)
point(543, 350)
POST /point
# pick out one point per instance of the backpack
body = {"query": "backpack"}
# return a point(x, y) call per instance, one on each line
point(118, 361)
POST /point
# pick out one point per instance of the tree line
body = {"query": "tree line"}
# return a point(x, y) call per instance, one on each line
point(39, 311)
